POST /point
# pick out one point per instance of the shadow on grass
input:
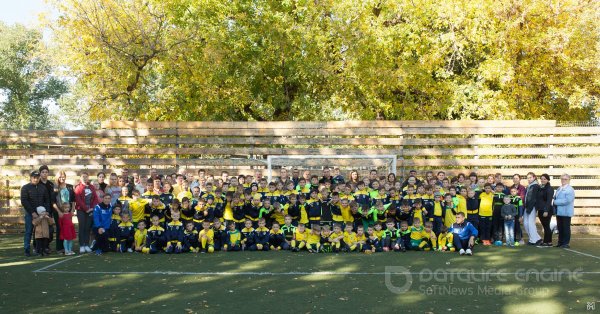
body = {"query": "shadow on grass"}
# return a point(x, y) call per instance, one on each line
point(136, 292)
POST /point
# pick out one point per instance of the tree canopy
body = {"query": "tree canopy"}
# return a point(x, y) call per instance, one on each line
point(26, 80)
point(332, 59)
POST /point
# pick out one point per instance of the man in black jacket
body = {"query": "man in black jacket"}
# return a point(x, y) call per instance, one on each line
point(33, 195)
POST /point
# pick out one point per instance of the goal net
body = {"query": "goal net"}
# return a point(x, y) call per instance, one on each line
point(344, 162)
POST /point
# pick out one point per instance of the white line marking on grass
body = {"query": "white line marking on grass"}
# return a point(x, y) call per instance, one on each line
point(43, 269)
point(585, 254)
point(317, 273)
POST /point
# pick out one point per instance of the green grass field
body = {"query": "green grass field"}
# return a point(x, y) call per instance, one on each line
point(494, 280)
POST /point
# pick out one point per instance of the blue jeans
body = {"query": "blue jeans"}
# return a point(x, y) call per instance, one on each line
point(509, 231)
point(28, 231)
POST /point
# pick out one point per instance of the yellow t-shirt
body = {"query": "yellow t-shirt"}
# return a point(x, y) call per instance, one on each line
point(346, 214)
point(301, 236)
point(137, 209)
point(486, 204)
point(349, 237)
point(313, 238)
point(140, 237)
point(210, 234)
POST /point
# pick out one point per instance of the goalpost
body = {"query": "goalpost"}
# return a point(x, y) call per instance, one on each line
point(272, 159)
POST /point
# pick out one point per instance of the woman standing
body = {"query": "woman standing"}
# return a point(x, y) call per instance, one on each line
point(85, 201)
point(63, 194)
point(564, 200)
point(545, 208)
point(530, 211)
point(100, 179)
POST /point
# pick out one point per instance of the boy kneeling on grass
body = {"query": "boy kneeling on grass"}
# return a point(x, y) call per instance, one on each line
point(464, 234)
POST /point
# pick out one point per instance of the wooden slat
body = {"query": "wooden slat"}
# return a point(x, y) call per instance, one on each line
point(508, 172)
point(393, 141)
point(87, 133)
point(68, 151)
point(89, 141)
point(585, 220)
point(323, 124)
point(291, 162)
point(585, 182)
point(586, 202)
point(587, 211)
point(502, 151)
point(253, 140)
point(500, 162)
point(386, 131)
point(588, 193)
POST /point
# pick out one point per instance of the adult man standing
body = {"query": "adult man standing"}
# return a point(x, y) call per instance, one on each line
point(33, 195)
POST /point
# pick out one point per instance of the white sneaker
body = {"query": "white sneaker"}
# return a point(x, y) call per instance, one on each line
point(82, 250)
point(88, 249)
point(469, 252)
point(461, 252)
point(129, 250)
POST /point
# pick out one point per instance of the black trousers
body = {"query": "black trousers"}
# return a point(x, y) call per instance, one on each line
point(41, 245)
point(546, 225)
point(461, 244)
point(563, 223)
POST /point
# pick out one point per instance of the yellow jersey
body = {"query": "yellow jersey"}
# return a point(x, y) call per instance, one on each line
point(486, 204)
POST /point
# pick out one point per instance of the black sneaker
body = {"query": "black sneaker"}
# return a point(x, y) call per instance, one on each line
point(565, 246)
point(27, 253)
point(539, 242)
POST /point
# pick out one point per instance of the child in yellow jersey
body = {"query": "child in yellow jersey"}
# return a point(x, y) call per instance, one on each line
point(206, 237)
point(139, 239)
point(461, 201)
point(486, 203)
point(429, 241)
point(361, 240)
point(336, 208)
point(416, 234)
point(300, 237)
point(313, 240)
point(303, 213)
point(247, 233)
point(345, 209)
point(378, 231)
point(438, 212)
point(228, 211)
point(234, 239)
point(449, 211)
point(418, 210)
point(444, 240)
point(336, 238)
point(349, 240)
point(137, 206)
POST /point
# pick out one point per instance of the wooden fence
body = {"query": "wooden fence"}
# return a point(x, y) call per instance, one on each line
point(487, 147)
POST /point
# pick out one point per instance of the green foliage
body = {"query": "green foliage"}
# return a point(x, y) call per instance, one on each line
point(326, 59)
point(26, 80)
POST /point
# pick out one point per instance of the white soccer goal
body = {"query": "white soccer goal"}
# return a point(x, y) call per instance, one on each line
point(298, 160)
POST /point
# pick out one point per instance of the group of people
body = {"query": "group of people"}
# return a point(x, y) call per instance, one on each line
point(197, 212)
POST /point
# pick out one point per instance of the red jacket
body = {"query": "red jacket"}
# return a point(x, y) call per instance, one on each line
point(80, 196)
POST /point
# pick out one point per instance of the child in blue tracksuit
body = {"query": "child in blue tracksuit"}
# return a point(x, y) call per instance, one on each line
point(464, 235)
point(102, 219)
point(174, 235)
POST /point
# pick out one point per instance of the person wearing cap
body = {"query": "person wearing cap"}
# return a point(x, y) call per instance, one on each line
point(33, 195)
point(45, 181)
